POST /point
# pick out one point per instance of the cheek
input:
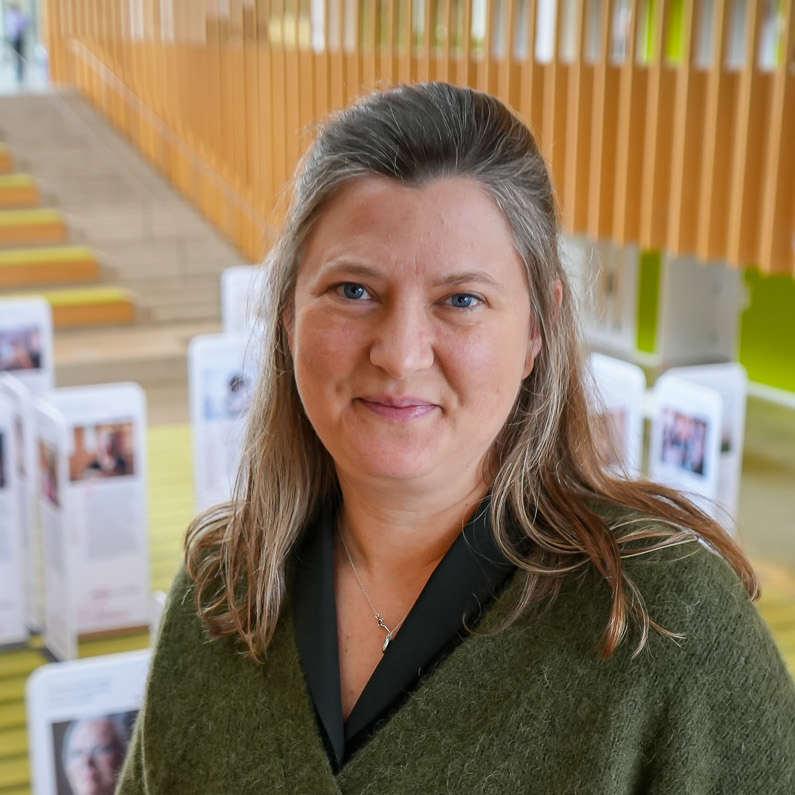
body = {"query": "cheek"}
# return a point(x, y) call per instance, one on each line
point(321, 349)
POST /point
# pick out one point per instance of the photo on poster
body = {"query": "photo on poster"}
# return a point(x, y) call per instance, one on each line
point(48, 468)
point(20, 349)
point(226, 392)
point(684, 440)
point(104, 450)
point(617, 391)
point(89, 752)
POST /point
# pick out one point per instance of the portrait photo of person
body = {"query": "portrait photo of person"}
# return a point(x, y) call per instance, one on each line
point(102, 451)
point(20, 349)
point(90, 752)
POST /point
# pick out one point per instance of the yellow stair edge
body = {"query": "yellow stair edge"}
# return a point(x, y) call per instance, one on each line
point(78, 297)
point(8, 181)
point(49, 254)
point(29, 217)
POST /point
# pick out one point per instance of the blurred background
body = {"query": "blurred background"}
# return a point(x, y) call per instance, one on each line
point(147, 145)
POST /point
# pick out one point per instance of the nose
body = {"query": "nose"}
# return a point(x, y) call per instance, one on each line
point(402, 341)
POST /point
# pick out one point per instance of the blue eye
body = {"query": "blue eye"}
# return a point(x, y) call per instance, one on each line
point(353, 291)
point(464, 301)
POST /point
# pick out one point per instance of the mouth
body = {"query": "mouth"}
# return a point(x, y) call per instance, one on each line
point(391, 407)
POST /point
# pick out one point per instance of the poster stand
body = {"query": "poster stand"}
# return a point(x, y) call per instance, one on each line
point(241, 293)
point(13, 629)
point(730, 381)
point(105, 505)
point(79, 708)
point(618, 391)
point(57, 537)
point(222, 373)
point(686, 438)
point(24, 432)
point(26, 349)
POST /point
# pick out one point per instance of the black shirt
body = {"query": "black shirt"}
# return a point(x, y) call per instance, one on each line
point(466, 580)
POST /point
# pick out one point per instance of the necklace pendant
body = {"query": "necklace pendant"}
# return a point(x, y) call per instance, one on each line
point(387, 641)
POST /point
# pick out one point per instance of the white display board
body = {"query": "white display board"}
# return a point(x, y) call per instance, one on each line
point(106, 504)
point(618, 391)
point(26, 342)
point(24, 432)
point(241, 294)
point(730, 381)
point(80, 718)
point(222, 372)
point(686, 439)
point(57, 534)
point(12, 581)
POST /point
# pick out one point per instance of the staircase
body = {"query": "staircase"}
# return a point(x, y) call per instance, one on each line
point(131, 270)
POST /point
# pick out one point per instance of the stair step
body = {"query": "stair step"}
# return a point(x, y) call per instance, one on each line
point(18, 190)
point(6, 161)
point(20, 267)
point(23, 227)
point(87, 306)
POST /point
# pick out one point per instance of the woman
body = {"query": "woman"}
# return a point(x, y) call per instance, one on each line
point(428, 582)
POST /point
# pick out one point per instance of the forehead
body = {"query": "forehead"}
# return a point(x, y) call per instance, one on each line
point(93, 730)
point(446, 222)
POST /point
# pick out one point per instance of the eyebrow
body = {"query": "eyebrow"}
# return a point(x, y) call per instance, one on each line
point(456, 279)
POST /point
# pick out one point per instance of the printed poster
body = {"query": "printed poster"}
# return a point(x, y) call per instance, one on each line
point(241, 288)
point(23, 465)
point(107, 504)
point(686, 439)
point(80, 719)
point(57, 533)
point(222, 371)
point(12, 582)
point(26, 349)
point(730, 381)
point(618, 392)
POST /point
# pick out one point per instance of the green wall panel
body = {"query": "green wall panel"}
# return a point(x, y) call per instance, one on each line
point(767, 334)
point(648, 300)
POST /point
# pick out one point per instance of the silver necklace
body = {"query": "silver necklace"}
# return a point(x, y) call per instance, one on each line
point(390, 633)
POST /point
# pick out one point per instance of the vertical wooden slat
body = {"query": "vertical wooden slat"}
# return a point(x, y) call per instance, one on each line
point(777, 213)
point(743, 198)
point(626, 171)
point(464, 34)
point(597, 168)
point(687, 126)
point(657, 126)
point(574, 188)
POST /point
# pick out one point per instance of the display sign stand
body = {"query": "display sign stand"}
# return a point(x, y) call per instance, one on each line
point(22, 465)
point(105, 504)
point(78, 709)
point(222, 371)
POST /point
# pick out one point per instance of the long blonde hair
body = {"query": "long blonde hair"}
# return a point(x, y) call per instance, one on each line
point(550, 484)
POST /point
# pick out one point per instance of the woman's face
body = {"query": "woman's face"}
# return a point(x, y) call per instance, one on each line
point(411, 331)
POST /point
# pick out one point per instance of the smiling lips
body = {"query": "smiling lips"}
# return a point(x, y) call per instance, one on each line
point(401, 409)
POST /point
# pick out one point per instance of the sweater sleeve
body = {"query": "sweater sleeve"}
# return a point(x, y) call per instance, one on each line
point(727, 723)
point(132, 780)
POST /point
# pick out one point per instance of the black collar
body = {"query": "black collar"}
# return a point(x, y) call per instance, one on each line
point(466, 581)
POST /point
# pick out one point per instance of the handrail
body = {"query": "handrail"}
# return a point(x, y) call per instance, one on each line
point(111, 79)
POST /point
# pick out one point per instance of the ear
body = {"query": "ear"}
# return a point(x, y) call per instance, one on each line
point(533, 349)
point(288, 318)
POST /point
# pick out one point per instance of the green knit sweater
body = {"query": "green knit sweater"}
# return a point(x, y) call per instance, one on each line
point(529, 710)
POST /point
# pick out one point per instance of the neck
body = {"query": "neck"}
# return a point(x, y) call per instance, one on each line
point(392, 535)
